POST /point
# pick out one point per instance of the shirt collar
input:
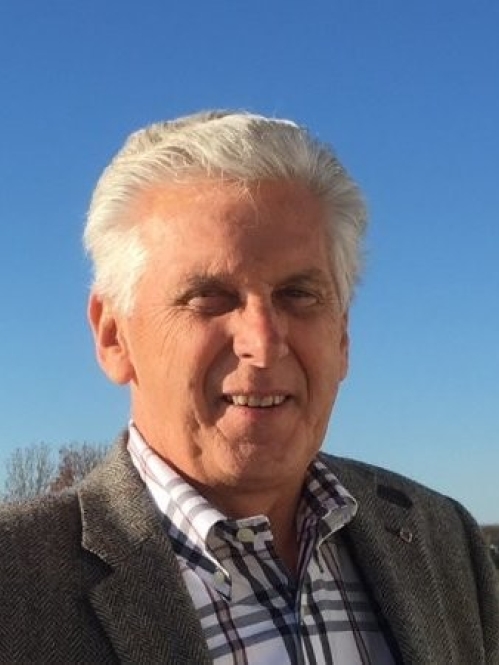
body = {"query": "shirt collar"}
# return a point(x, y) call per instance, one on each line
point(180, 502)
point(325, 501)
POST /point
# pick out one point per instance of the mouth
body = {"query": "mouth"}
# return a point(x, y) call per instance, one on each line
point(255, 401)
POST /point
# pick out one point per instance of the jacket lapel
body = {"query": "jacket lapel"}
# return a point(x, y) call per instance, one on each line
point(141, 602)
point(385, 539)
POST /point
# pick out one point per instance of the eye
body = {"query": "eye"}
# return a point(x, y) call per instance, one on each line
point(212, 303)
point(298, 297)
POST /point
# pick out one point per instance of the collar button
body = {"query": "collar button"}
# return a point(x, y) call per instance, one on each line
point(245, 535)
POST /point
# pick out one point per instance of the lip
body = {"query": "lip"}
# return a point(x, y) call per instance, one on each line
point(242, 416)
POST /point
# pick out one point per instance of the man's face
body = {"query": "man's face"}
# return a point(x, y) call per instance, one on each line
point(237, 343)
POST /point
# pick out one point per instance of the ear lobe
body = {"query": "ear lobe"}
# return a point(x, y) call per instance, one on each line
point(110, 342)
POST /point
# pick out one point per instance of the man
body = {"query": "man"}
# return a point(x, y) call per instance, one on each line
point(226, 250)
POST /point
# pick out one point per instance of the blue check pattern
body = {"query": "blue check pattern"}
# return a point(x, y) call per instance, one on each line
point(251, 610)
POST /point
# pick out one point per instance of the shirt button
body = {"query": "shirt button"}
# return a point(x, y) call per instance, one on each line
point(218, 578)
point(245, 535)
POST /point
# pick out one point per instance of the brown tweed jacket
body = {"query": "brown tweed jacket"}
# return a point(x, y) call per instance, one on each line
point(88, 576)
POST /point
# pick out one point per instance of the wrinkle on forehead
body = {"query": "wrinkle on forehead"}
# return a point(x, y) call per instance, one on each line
point(158, 205)
point(164, 200)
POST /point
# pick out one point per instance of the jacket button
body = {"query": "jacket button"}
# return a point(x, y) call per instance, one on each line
point(405, 534)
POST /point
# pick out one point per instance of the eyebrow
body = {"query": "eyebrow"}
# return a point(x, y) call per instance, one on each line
point(201, 282)
point(314, 276)
point(224, 280)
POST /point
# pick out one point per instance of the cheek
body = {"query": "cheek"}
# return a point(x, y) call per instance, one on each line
point(211, 361)
point(156, 348)
point(324, 347)
point(325, 362)
point(201, 358)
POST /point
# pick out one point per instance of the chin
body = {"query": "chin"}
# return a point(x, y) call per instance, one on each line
point(254, 467)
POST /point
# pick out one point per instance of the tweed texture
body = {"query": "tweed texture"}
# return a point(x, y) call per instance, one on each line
point(88, 576)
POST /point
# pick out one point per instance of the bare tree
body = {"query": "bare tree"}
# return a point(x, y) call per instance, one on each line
point(30, 472)
point(76, 460)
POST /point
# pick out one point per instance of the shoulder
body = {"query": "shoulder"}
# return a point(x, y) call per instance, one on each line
point(388, 485)
point(45, 576)
point(441, 520)
point(40, 566)
point(371, 472)
point(446, 540)
point(29, 518)
point(34, 534)
point(445, 528)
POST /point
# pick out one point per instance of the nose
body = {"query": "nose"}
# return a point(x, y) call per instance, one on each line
point(260, 334)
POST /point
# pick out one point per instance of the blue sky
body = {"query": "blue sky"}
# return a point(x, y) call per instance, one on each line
point(407, 93)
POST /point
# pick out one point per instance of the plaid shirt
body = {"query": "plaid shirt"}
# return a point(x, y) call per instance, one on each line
point(250, 609)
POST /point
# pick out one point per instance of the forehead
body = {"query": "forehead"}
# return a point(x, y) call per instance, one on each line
point(252, 199)
point(210, 223)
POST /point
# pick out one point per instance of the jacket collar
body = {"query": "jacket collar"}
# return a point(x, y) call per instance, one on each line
point(147, 613)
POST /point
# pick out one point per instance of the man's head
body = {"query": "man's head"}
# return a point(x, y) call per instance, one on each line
point(224, 145)
point(226, 249)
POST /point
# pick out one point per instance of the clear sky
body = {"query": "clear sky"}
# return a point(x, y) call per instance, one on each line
point(406, 92)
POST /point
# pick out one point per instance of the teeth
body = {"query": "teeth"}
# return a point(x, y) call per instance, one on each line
point(254, 401)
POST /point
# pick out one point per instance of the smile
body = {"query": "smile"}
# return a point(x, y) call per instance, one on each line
point(254, 400)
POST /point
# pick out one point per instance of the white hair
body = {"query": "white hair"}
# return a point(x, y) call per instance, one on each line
point(216, 144)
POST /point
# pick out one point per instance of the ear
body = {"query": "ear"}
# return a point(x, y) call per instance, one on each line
point(344, 346)
point(110, 340)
